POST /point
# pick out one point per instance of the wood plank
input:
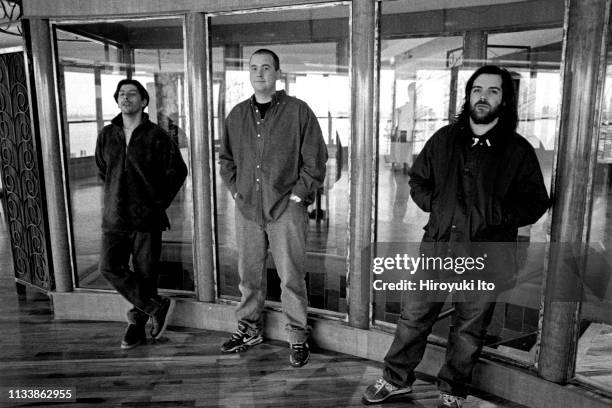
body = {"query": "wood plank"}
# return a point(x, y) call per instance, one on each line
point(184, 369)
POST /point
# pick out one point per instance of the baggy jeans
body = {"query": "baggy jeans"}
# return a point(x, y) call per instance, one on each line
point(286, 238)
point(138, 286)
point(470, 320)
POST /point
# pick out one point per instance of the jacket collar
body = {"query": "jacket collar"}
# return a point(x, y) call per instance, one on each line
point(118, 120)
point(492, 138)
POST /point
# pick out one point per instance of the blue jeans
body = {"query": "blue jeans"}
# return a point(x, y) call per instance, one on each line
point(286, 238)
point(138, 286)
point(470, 320)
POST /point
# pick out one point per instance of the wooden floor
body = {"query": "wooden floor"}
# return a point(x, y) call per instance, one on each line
point(185, 369)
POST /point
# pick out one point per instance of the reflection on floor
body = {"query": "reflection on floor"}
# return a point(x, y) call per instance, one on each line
point(594, 356)
point(183, 369)
point(515, 321)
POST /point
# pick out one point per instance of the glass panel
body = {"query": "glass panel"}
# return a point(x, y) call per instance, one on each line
point(422, 87)
point(314, 65)
point(594, 352)
point(152, 52)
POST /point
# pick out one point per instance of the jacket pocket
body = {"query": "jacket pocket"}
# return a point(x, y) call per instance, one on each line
point(433, 226)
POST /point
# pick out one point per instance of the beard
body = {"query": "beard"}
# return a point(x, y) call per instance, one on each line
point(483, 118)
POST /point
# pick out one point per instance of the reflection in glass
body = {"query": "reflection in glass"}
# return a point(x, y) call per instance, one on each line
point(422, 84)
point(89, 72)
point(594, 351)
point(314, 68)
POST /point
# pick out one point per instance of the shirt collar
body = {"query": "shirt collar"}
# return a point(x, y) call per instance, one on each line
point(489, 139)
point(277, 97)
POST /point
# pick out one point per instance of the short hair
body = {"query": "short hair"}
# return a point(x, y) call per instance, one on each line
point(141, 89)
point(270, 53)
point(508, 115)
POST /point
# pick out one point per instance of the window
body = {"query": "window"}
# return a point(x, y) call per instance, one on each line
point(427, 55)
point(593, 363)
point(92, 59)
point(312, 44)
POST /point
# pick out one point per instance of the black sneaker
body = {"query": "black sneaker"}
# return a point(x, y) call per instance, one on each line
point(135, 335)
point(162, 317)
point(241, 340)
point(381, 390)
point(299, 355)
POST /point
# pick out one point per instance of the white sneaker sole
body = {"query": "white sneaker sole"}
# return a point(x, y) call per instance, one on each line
point(237, 349)
point(126, 346)
point(401, 391)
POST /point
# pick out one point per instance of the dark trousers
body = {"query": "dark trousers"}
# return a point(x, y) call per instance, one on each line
point(137, 285)
point(469, 322)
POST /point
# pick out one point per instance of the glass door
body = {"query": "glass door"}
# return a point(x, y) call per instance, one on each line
point(92, 58)
point(427, 55)
point(312, 43)
point(594, 351)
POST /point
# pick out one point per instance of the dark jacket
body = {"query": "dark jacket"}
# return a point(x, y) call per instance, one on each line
point(477, 194)
point(481, 193)
point(264, 161)
point(140, 182)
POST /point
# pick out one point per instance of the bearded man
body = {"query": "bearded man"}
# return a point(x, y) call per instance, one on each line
point(480, 181)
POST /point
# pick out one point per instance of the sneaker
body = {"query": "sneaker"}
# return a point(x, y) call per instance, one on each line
point(450, 401)
point(135, 335)
point(162, 317)
point(382, 390)
point(241, 340)
point(299, 355)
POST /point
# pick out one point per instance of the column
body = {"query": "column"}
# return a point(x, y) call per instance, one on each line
point(363, 104)
point(197, 79)
point(52, 153)
point(583, 74)
point(474, 48)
